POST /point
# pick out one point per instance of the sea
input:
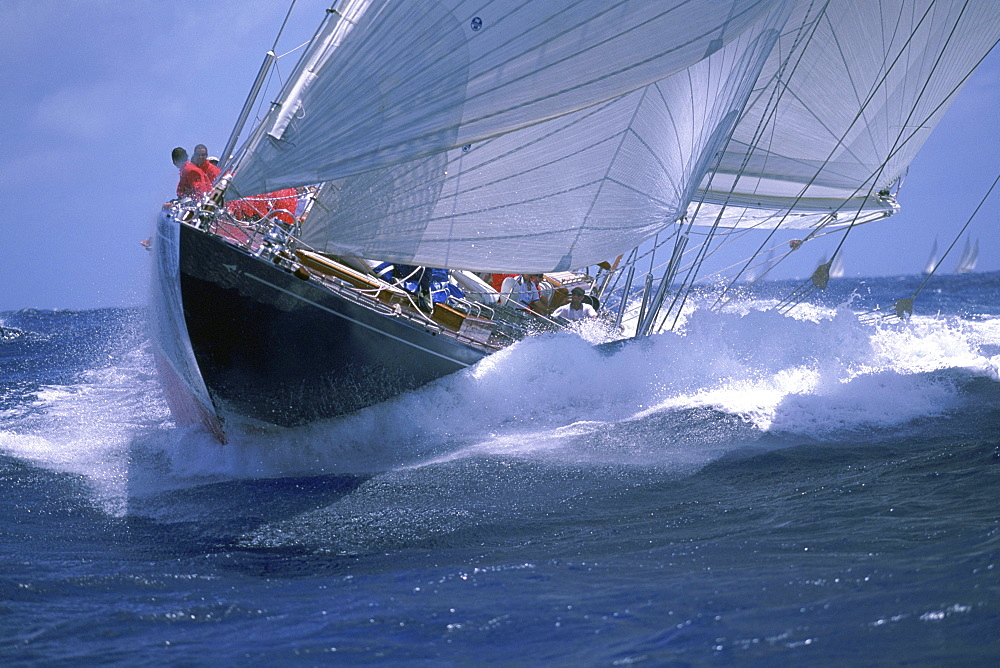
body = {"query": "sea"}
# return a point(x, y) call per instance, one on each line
point(761, 486)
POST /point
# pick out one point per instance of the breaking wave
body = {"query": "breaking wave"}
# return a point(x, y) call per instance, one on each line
point(746, 378)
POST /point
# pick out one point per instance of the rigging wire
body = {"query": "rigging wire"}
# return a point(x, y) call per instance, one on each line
point(777, 91)
point(803, 291)
point(904, 306)
point(817, 280)
point(803, 38)
point(283, 24)
point(821, 275)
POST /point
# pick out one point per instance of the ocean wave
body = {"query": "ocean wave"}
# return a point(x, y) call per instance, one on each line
point(10, 334)
point(674, 400)
point(746, 377)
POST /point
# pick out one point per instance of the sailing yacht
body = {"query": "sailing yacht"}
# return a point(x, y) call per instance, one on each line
point(528, 138)
point(932, 260)
point(836, 266)
point(967, 260)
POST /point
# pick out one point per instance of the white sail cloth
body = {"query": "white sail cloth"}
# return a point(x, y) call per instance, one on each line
point(844, 103)
point(564, 193)
point(558, 194)
point(388, 81)
point(574, 133)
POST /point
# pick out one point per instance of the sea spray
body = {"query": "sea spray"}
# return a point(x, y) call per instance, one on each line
point(556, 396)
point(817, 373)
point(754, 487)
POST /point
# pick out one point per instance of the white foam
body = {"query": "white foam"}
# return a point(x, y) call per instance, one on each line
point(88, 428)
point(818, 377)
point(552, 397)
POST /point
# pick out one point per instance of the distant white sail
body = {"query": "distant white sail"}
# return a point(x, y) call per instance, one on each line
point(932, 260)
point(967, 261)
point(758, 268)
point(837, 266)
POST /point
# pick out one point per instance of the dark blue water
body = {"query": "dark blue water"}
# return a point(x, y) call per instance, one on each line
point(805, 489)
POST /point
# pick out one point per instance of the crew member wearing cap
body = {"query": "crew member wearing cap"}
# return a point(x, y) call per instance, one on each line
point(577, 309)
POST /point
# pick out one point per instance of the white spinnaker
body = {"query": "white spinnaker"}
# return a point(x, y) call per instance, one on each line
point(387, 82)
point(844, 103)
point(564, 193)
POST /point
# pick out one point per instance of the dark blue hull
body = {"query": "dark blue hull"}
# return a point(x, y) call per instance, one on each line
point(277, 348)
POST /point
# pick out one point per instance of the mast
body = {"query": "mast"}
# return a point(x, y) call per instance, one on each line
point(231, 160)
point(265, 68)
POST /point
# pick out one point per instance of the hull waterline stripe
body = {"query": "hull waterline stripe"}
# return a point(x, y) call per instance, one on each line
point(356, 322)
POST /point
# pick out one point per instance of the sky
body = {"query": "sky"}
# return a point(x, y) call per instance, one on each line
point(94, 94)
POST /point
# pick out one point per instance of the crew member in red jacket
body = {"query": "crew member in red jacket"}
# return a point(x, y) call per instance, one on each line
point(200, 160)
point(193, 182)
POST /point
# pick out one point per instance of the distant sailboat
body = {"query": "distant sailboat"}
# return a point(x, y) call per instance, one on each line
point(759, 270)
point(932, 260)
point(831, 269)
point(837, 266)
point(968, 259)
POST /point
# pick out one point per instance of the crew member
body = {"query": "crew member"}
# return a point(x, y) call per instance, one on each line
point(193, 182)
point(283, 202)
point(527, 290)
point(201, 161)
point(577, 309)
